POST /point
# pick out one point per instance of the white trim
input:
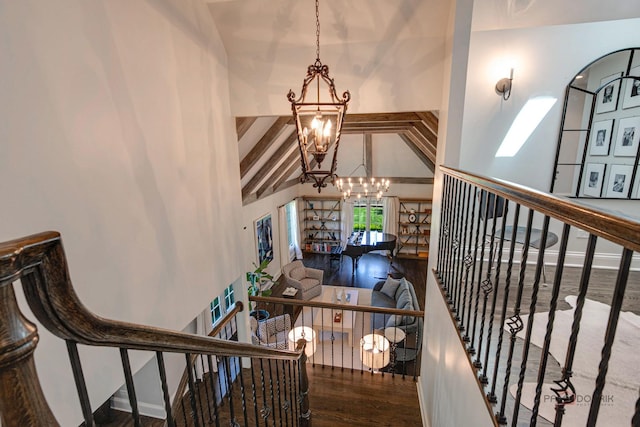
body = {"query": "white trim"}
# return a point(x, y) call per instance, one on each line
point(605, 261)
point(421, 402)
point(120, 402)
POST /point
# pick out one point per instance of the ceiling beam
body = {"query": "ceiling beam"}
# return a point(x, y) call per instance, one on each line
point(426, 133)
point(422, 142)
point(368, 150)
point(430, 120)
point(243, 124)
point(418, 152)
point(381, 117)
point(274, 160)
point(263, 145)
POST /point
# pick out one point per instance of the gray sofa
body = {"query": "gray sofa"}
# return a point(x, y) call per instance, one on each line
point(395, 293)
point(398, 293)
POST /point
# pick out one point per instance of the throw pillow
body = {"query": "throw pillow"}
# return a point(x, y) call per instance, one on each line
point(298, 273)
point(390, 287)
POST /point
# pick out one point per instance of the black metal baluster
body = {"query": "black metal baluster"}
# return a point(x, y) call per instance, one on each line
point(610, 334)
point(635, 421)
point(441, 253)
point(243, 395)
point(81, 385)
point(468, 262)
point(165, 390)
point(273, 403)
point(278, 392)
point(216, 416)
point(285, 404)
point(505, 300)
point(485, 285)
point(232, 413)
point(450, 230)
point(198, 382)
point(483, 378)
point(206, 392)
point(463, 250)
point(471, 330)
point(555, 292)
point(455, 286)
point(265, 411)
point(296, 387)
point(515, 323)
point(444, 231)
point(532, 311)
point(131, 390)
point(192, 391)
point(254, 395)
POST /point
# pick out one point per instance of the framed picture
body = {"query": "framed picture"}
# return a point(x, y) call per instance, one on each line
point(608, 95)
point(264, 238)
point(593, 178)
point(619, 181)
point(632, 90)
point(627, 137)
point(600, 138)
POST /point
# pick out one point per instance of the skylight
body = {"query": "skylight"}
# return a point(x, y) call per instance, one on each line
point(525, 123)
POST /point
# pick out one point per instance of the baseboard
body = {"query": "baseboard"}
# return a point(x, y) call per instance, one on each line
point(605, 261)
point(422, 403)
point(120, 402)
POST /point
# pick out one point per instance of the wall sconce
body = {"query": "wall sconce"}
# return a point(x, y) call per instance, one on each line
point(503, 87)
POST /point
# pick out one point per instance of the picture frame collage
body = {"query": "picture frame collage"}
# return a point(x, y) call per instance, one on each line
point(611, 158)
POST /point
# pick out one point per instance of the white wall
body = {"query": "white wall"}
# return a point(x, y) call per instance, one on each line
point(116, 131)
point(541, 67)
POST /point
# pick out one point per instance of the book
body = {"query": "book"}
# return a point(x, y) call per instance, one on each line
point(289, 292)
point(337, 318)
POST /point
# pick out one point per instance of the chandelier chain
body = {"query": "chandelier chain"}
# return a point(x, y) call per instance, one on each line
point(318, 30)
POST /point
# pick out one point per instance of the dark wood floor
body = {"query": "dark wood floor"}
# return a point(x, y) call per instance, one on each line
point(346, 398)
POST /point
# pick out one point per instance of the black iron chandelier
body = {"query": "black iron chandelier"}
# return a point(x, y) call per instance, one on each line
point(318, 123)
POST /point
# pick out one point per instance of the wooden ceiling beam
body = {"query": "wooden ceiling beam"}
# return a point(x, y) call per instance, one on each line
point(274, 160)
point(243, 124)
point(430, 120)
point(426, 133)
point(422, 142)
point(381, 117)
point(418, 152)
point(263, 145)
point(368, 150)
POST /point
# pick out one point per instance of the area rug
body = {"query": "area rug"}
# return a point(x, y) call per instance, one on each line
point(623, 378)
point(333, 349)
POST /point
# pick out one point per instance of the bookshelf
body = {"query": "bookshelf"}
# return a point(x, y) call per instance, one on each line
point(321, 224)
point(414, 228)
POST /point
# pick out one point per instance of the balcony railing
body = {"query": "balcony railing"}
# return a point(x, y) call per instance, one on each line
point(542, 352)
point(343, 345)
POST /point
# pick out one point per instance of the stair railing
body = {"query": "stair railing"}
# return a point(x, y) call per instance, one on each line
point(39, 262)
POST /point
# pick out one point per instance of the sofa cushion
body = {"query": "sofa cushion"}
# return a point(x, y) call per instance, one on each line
point(378, 299)
point(298, 273)
point(390, 287)
point(403, 297)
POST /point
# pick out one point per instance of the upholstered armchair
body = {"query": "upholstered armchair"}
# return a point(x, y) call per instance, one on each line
point(307, 280)
point(272, 332)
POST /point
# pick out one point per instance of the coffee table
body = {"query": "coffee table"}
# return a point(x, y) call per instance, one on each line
point(323, 317)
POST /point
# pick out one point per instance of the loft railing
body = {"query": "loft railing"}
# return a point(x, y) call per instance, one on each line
point(537, 359)
point(339, 346)
point(39, 263)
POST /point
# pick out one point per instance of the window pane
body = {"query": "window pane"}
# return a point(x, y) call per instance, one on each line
point(377, 218)
point(215, 310)
point(229, 298)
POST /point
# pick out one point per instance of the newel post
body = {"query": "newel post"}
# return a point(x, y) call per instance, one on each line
point(305, 410)
point(22, 402)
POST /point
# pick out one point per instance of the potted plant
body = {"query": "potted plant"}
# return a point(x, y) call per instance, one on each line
point(258, 279)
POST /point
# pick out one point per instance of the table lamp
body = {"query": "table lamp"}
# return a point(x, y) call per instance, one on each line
point(303, 333)
point(375, 351)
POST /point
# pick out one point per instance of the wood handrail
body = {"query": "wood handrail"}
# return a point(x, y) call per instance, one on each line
point(40, 263)
point(600, 222)
point(329, 305)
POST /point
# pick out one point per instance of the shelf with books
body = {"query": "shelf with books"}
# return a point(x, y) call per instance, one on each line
point(321, 224)
point(414, 227)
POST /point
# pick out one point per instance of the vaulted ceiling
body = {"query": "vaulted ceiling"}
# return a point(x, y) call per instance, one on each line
point(272, 161)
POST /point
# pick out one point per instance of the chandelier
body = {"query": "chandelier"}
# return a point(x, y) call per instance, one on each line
point(319, 123)
point(362, 187)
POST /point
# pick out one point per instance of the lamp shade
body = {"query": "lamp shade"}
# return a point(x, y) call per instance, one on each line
point(375, 351)
point(303, 333)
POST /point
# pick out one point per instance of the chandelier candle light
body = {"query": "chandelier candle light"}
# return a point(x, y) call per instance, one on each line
point(319, 123)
